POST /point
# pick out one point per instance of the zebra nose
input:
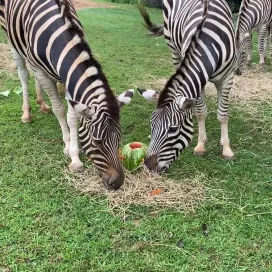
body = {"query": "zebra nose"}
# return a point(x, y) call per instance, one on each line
point(238, 72)
point(151, 162)
point(113, 179)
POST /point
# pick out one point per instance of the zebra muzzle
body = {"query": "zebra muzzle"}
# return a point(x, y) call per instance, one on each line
point(151, 162)
point(113, 179)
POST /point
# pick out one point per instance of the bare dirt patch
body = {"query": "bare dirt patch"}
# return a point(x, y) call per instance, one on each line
point(81, 4)
point(144, 188)
point(7, 64)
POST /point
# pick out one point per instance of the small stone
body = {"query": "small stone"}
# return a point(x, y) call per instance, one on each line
point(180, 244)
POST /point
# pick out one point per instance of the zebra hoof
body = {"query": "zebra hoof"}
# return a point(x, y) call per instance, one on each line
point(200, 150)
point(227, 158)
point(76, 167)
point(228, 154)
point(45, 109)
point(26, 119)
point(199, 153)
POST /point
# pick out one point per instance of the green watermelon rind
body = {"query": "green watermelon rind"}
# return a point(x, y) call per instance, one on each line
point(133, 157)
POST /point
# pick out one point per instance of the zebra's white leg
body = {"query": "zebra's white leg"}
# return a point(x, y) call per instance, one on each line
point(249, 51)
point(24, 77)
point(40, 99)
point(223, 90)
point(58, 108)
point(72, 120)
point(262, 37)
point(201, 113)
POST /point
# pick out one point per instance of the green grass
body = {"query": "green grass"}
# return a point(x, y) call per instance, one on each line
point(46, 225)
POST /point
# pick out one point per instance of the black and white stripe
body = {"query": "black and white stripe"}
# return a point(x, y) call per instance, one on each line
point(200, 35)
point(253, 15)
point(48, 34)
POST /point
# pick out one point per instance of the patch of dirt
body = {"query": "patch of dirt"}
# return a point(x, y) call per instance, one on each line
point(81, 4)
point(7, 63)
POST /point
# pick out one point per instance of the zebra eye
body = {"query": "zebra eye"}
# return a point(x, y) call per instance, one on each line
point(98, 142)
point(173, 129)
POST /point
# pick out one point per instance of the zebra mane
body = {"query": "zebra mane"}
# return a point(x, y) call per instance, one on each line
point(164, 93)
point(77, 29)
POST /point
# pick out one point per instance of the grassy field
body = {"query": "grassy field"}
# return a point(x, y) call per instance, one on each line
point(46, 225)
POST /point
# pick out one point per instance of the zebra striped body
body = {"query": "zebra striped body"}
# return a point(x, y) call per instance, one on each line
point(48, 34)
point(200, 35)
point(253, 15)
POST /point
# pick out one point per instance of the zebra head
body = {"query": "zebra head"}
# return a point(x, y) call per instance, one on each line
point(99, 135)
point(241, 44)
point(171, 130)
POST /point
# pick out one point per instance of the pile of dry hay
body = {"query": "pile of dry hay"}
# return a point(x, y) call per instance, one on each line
point(144, 188)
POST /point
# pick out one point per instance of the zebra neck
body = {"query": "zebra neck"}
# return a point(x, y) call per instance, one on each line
point(80, 72)
point(191, 77)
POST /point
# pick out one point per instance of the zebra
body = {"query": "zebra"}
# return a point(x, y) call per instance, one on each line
point(200, 35)
point(253, 14)
point(49, 36)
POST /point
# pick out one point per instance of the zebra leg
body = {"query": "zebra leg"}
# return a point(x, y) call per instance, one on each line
point(223, 90)
point(201, 113)
point(58, 108)
point(249, 51)
point(40, 99)
point(262, 37)
point(266, 44)
point(72, 120)
point(24, 77)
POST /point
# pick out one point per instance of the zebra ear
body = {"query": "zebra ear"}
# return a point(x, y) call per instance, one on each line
point(246, 36)
point(125, 97)
point(82, 110)
point(186, 103)
point(149, 95)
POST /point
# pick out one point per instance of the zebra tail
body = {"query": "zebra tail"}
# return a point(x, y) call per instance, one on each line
point(155, 30)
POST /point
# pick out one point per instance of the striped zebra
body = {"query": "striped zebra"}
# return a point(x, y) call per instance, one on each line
point(200, 35)
point(253, 15)
point(48, 35)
